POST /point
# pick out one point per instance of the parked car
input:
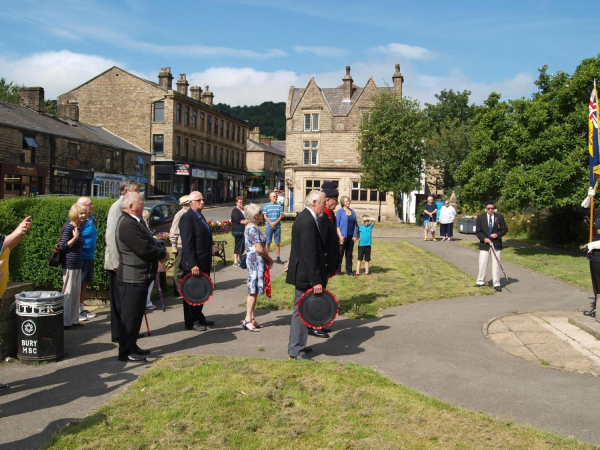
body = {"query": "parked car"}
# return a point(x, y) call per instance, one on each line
point(162, 198)
point(161, 214)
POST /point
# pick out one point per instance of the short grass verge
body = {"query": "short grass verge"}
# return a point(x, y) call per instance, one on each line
point(402, 273)
point(568, 266)
point(190, 401)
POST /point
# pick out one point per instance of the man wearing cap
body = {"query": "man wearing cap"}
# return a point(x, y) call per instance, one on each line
point(490, 227)
point(196, 243)
point(175, 238)
point(307, 267)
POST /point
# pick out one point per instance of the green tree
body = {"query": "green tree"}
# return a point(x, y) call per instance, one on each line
point(50, 107)
point(532, 151)
point(268, 116)
point(391, 145)
point(9, 92)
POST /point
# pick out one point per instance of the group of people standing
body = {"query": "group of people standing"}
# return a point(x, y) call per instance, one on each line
point(447, 215)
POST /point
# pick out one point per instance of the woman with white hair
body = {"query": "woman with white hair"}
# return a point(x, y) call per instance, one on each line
point(256, 258)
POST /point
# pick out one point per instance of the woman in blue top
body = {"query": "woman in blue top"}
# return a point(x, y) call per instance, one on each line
point(88, 253)
point(347, 227)
point(71, 244)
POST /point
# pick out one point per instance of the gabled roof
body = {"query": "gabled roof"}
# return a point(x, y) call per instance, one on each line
point(25, 118)
point(253, 146)
point(128, 73)
point(279, 145)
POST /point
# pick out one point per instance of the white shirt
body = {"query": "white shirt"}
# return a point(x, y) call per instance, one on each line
point(313, 214)
point(447, 214)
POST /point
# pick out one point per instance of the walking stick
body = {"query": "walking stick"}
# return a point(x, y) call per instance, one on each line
point(160, 292)
point(147, 326)
point(498, 260)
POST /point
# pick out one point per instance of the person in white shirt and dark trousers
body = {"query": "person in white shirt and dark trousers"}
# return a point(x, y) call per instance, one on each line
point(490, 227)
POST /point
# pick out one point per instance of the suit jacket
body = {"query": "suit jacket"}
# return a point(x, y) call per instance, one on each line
point(482, 230)
point(331, 240)
point(138, 251)
point(196, 243)
point(307, 265)
point(111, 255)
point(174, 235)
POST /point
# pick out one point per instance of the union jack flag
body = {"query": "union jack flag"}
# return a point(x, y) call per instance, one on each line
point(593, 137)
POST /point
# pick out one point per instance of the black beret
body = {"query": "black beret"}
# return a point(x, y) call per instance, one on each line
point(330, 189)
point(489, 202)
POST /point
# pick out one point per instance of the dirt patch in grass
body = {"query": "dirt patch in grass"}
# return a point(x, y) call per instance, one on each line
point(302, 405)
point(401, 273)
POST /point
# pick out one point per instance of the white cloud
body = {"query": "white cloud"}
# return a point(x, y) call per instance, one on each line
point(322, 51)
point(56, 72)
point(405, 51)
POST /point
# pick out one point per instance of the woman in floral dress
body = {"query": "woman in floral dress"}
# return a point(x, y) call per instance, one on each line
point(256, 258)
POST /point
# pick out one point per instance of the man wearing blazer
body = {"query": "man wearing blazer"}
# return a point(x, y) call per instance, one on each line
point(196, 243)
point(307, 266)
point(490, 227)
point(139, 255)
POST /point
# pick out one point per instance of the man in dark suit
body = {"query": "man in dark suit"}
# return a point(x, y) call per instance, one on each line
point(307, 266)
point(196, 243)
point(490, 227)
point(139, 255)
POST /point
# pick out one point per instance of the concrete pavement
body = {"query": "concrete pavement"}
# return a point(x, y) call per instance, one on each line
point(437, 348)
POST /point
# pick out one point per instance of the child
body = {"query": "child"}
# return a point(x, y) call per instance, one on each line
point(364, 243)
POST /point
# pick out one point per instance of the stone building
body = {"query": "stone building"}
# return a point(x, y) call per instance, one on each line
point(45, 154)
point(194, 145)
point(266, 159)
point(322, 126)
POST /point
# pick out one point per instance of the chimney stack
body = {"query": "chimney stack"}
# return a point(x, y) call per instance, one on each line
point(347, 84)
point(32, 97)
point(165, 79)
point(196, 93)
point(398, 79)
point(208, 96)
point(265, 141)
point(254, 134)
point(68, 111)
point(182, 84)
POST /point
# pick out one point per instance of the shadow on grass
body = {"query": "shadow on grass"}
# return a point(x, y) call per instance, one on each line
point(355, 305)
point(77, 426)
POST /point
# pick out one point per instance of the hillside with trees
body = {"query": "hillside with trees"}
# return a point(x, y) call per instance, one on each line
point(268, 116)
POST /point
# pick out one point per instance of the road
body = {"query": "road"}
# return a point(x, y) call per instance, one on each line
point(224, 212)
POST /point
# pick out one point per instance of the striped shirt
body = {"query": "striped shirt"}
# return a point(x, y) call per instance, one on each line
point(273, 211)
point(71, 257)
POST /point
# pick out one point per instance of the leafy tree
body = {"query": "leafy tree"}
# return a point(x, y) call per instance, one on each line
point(50, 107)
point(532, 151)
point(268, 116)
point(449, 142)
point(9, 92)
point(391, 145)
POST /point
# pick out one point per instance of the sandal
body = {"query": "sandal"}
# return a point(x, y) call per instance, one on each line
point(245, 327)
point(256, 324)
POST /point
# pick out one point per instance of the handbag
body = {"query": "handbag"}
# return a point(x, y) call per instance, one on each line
point(243, 264)
point(237, 233)
point(55, 253)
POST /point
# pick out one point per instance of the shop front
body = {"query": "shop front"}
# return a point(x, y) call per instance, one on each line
point(172, 179)
point(71, 181)
point(22, 180)
point(106, 185)
point(141, 181)
point(211, 186)
point(197, 182)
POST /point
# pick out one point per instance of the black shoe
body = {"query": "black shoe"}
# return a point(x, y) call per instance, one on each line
point(278, 261)
point(134, 357)
point(77, 325)
point(497, 288)
point(197, 327)
point(3, 387)
point(307, 349)
point(590, 313)
point(478, 285)
point(207, 323)
point(318, 333)
point(326, 330)
point(142, 351)
point(300, 357)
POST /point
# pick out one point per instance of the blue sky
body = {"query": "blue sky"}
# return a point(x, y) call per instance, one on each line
point(252, 51)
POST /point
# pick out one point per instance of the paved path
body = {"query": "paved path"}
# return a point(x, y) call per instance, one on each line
point(437, 348)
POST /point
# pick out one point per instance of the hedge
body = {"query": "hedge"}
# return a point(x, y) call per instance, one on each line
point(29, 261)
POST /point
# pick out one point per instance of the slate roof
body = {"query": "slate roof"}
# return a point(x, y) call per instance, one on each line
point(334, 98)
point(253, 146)
point(279, 145)
point(25, 118)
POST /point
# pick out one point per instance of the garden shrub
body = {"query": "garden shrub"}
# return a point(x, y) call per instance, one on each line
point(29, 261)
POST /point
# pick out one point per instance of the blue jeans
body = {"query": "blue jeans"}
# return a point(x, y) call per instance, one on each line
point(269, 232)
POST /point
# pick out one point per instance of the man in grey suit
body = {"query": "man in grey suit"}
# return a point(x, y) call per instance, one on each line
point(111, 255)
point(139, 254)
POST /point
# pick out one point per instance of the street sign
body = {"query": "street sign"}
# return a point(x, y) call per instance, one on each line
point(252, 189)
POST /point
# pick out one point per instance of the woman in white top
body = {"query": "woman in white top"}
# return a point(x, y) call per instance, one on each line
point(447, 216)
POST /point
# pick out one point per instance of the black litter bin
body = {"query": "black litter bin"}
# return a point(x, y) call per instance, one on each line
point(40, 331)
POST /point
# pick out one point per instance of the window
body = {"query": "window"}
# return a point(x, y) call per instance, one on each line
point(109, 160)
point(202, 121)
point(178, 116)
point(159, 111)
point(216, 126)
point(72, 150)
point(201, 155)
point(164, 186)
point(226, 156)
point(186, 143)
point(279, 166)
point(227, 132)
point(222, 128)
point(221, 156)
point(158, 141)
point(243, 135)
point(243, 157)
point(271, 165)
point(193, 149)
point(186, 116)
point(215, 153)
point(194, 118)
point(238, 134)
point(311, 153)
point(237, 159)
point(28, 153)
point(140, 169)
point(312, 185)
point(209, 123)
point(208, 152)
point(178, 146)
point(358, 193)
point(311, 122)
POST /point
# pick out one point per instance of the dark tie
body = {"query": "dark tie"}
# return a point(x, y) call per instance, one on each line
point(203, 220)
point(490, 226)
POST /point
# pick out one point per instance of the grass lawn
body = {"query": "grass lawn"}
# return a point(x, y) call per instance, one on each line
point(567, 266)
point(402, 273)
point(190, 401)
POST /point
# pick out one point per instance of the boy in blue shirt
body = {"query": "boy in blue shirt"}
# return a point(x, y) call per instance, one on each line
point(364, 243)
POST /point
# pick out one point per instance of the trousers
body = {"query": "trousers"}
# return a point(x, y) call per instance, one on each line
point(484, 257)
